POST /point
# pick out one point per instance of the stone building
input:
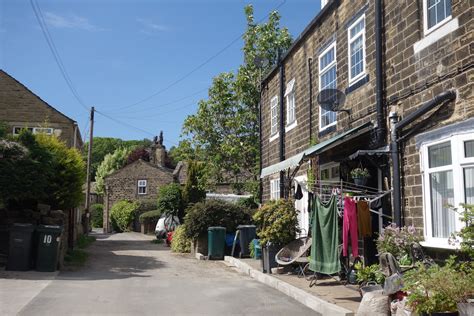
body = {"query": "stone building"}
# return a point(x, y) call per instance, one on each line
point(405, 62)
point(20, 108)
point(138, 181)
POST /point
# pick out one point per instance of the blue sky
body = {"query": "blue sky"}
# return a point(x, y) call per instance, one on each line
point(120, 52)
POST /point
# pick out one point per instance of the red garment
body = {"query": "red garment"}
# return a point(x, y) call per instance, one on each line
point(349, 227)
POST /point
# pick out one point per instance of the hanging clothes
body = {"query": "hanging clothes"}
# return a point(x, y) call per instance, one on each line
point(324, 229)
point(349, 228)
point(364, 220)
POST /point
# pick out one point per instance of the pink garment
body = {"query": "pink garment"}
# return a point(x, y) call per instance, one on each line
point(349, 227)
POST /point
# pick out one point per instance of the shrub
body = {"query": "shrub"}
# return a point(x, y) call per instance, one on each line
point(170, 199)
point(396, 240)
point(277, 222)
point(111, 163)
point(194, 191)
point(122, 214)
point(248, 203)
point(97, 213)
point(465, 237)
point(150, 216)
point(180, 243)
point(202, 215)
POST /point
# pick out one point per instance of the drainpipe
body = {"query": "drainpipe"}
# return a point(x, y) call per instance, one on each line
point(380, 131)
point(282, 125)
point(396, 127)
point(260, 184)
point(310, 83)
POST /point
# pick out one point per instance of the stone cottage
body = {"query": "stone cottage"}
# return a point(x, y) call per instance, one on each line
point(138, 181)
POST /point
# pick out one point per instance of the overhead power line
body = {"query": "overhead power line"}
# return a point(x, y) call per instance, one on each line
point(49, 40)
point(208, 60)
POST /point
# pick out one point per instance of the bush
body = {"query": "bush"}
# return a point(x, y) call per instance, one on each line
point(202, 215)
point(121, 215)
point(150, 216)
point(180, 242)
point(248, 203)
point(277, 222)
point(97, 215)
point(170, 199)
point(397, 241)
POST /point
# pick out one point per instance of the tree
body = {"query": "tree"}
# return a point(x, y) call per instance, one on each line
point(138, 153)
point(194, 191)
point(170, 200)
point(111, 163)
point(224, 131)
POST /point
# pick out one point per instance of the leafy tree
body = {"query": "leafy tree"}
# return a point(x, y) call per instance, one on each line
point(111, 163)
point(138, 153)
point(193, 190)
point(170, 200)
point(122, 214)
point(224, 131)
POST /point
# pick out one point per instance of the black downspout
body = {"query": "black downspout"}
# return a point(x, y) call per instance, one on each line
point(380, 132)
point(310, 82)
point(396, 127)
point(260, 184)
point(282, 126)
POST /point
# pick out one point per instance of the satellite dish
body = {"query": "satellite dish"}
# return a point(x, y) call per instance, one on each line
point(332, 100)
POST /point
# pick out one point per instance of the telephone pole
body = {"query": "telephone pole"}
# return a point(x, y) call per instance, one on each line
point(88, 180)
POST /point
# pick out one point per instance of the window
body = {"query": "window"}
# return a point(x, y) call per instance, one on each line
point(448, 181)
point(141, 186)
point(327, 80)
point(275, 189)
point(274, 115)
point(35, 130)
point(329, 172)
point(290, 105)
point(356, 49)
point(435, 13)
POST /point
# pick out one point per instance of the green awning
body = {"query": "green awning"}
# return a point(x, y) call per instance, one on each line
point(295, 160)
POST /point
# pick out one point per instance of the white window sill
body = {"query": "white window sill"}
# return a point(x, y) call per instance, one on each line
point(356, 79)
point(291, 126)
point(327, 126)
point(272, 138)
point(436, 35)
point(438, 245)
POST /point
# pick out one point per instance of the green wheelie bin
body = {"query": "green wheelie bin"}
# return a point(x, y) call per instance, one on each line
point(49, 240)
point(20, 246)
point(216, 242)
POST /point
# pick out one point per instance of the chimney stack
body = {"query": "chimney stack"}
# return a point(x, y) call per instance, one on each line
point(159, 151)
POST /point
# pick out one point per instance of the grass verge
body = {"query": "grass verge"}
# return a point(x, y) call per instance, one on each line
point(78, 256)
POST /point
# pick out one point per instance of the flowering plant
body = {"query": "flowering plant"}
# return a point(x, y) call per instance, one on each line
point(360, 173)
point(397, 241)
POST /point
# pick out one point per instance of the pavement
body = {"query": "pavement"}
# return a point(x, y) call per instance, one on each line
point(126, 274)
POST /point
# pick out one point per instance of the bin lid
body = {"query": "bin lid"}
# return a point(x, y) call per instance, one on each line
point(22, 227)
point(49, 228)
point(246, 226)
point(216, 228)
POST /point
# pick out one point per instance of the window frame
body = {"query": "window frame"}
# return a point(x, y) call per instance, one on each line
point(457, 166)
point(142, 183)
point(274, 118)
point(290, 99)
point(34, 130)
point(275, 189)
point(321, 73)
point(349, 42)
point(427, 30)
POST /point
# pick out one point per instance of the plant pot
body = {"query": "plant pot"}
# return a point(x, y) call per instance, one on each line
point(466, 309)
point(370, 288)
point(360, 181)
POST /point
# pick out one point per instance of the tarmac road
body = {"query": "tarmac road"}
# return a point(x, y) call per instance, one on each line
point(126, 274)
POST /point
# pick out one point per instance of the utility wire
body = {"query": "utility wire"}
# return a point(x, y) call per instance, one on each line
point(208, 60)
point(49, 40)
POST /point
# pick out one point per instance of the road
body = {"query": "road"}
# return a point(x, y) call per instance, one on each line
point(126, 274)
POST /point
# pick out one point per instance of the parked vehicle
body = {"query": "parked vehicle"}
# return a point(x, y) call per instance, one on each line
point(166, 223)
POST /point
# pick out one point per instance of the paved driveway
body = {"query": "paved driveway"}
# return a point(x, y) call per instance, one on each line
point(128, 275)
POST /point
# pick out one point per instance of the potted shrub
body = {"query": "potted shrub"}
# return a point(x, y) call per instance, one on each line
point(277, 225)
point(436, 290)
point(369, 277)
point(360, 175)
point(398, 241)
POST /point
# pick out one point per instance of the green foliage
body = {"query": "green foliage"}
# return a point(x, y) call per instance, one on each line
point(224, 131)
point(107, 145)
point(3, 129)
point(180, 243)
point(370, 273)
point(150, 216)
point(397, 241)
point(170, 199)
point(465, 237)
point(97, 213)
point(84, 241)
point(75, 258)
point(202, 215)
point(111, 163)
point(439, 288)
point(248, 203)
point(252, 249)
point(277, 222)
point(360, 173)
point(157, 241)
point(193, 190)
point(122, 214)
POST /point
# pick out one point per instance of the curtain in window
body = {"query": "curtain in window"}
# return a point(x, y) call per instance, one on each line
point(442, 198)
point(469, 185)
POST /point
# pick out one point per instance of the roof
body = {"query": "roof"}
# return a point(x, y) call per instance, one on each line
point(314, 22)
point(4, 74)
point(148, 164)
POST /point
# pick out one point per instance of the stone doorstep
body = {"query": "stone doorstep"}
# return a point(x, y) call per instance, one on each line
point(311, 301)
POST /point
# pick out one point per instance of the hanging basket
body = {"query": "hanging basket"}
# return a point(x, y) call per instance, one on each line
point(360, 181)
